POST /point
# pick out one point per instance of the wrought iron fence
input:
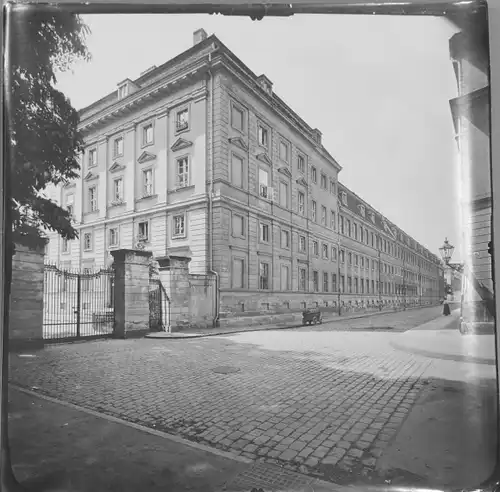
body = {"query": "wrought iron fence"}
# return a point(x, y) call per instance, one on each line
point(77, 304)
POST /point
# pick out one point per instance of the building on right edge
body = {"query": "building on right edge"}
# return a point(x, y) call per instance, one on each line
point(471, 118)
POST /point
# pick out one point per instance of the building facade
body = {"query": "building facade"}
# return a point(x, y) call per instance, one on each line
point(200, 158)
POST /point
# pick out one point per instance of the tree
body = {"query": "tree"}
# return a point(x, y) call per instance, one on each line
point(42, 146)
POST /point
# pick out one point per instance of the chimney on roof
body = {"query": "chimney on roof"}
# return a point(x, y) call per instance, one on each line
point(199, 36)
point(316, 134)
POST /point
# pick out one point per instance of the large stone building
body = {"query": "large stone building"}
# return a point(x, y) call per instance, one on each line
point(200, 158)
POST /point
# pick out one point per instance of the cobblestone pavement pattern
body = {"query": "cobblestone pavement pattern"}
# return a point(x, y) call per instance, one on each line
point(296, 398)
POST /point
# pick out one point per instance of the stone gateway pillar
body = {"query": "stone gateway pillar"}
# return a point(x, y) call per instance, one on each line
point(131, 292)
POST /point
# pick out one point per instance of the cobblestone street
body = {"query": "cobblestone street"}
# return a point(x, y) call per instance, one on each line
point(313, 399)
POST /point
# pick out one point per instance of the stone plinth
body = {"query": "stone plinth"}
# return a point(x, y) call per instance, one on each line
point(131, 292)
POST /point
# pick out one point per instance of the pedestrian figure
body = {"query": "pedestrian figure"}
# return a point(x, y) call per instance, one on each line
point(446, 308)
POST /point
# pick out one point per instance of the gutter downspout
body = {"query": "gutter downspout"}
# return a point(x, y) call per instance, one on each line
point(210, 195)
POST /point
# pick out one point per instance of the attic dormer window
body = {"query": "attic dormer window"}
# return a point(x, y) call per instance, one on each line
point(122, 91)
point(343, 197)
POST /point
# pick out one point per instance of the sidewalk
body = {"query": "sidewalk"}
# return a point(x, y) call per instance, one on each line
point(60, 447)
point(211, 332)
point(440, 339)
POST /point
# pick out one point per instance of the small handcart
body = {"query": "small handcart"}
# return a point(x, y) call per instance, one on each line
point(311, 316)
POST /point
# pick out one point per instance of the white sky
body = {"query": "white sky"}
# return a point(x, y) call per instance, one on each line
point(377, 87)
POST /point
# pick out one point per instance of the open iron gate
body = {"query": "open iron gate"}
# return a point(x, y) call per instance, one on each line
point(77, 304)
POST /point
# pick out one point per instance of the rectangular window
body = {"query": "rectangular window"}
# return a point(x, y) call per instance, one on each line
point(118, 190)
point(264, 233)
point(301, 164)
point(143, 231)
point(313, 211)
point(334, 282)
point(342, 256)
point(361, 235)
point(323, 215)
point(147, 134)
point(285, 239)
point(325, 282)
point(182, 177)
point(362, 286)
point(302, 202)
point(332, 187)
point(342, 284)
point(237, 171)
point(284, 151)
point(264, 275)
point(237, 118)
point(324, 182)
point(349, 285)
point(92, 199)
point(315, 248)
point(334, 253)
point(332, 219)
point(87, 241)
point(179, 226)
point(118, 147)
point(349, 258)
point(355, 231)
point(92, 158)
point(302, 244)
point(147, 182)
point(356, 260)
point(182, 120)
point(113, 236)
point(325, 251)
point(373, 286)
point(367, 286)
point(263, 183)
point(314, 174)
point(355, 285)
point(368, 263)
point(373, 240)
point(238, 225)
point(285, 277)
point(263, 136)
point(302, 279)
point(341, 224)
point(283, 194)
point(238, 273)
point(362, 262)
point(348, 227)
point(65, 245)
point(315, 281)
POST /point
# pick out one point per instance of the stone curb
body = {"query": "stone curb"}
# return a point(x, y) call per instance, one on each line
point(182, 336)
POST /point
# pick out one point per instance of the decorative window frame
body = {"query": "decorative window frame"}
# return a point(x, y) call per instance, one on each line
point(233, 104)
point(115, 200)
point(144, 194)
point(315, 248)
point(243, 272)
point(90, 150)
point(269, 190)
point(96, 200)
point(181, 235)
point(304, 249)
point(323, 178)
point(117, 243)
point(269, 232)
point(179, 158)
point(178, 129)
point(289, 235)
point(288, 147)
point(314, 174)
point(141, 237)
point(144, 126)
point(301, 154)
point(265, 127)
point(115, 152)
point(91, 246)
point(303, 212)
point(244, 222)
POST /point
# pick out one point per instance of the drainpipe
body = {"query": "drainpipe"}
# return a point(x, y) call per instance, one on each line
point(210, 195)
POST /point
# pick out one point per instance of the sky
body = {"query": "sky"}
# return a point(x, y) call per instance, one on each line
point(377, 87)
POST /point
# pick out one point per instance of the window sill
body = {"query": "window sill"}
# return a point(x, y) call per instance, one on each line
point(87, 250)
point(91, 213)
point(149, 144)
point(183, 236)
point(117, 204)
point(178, 131)
point(116, 156)
point(146, 197)
point(183, 188)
